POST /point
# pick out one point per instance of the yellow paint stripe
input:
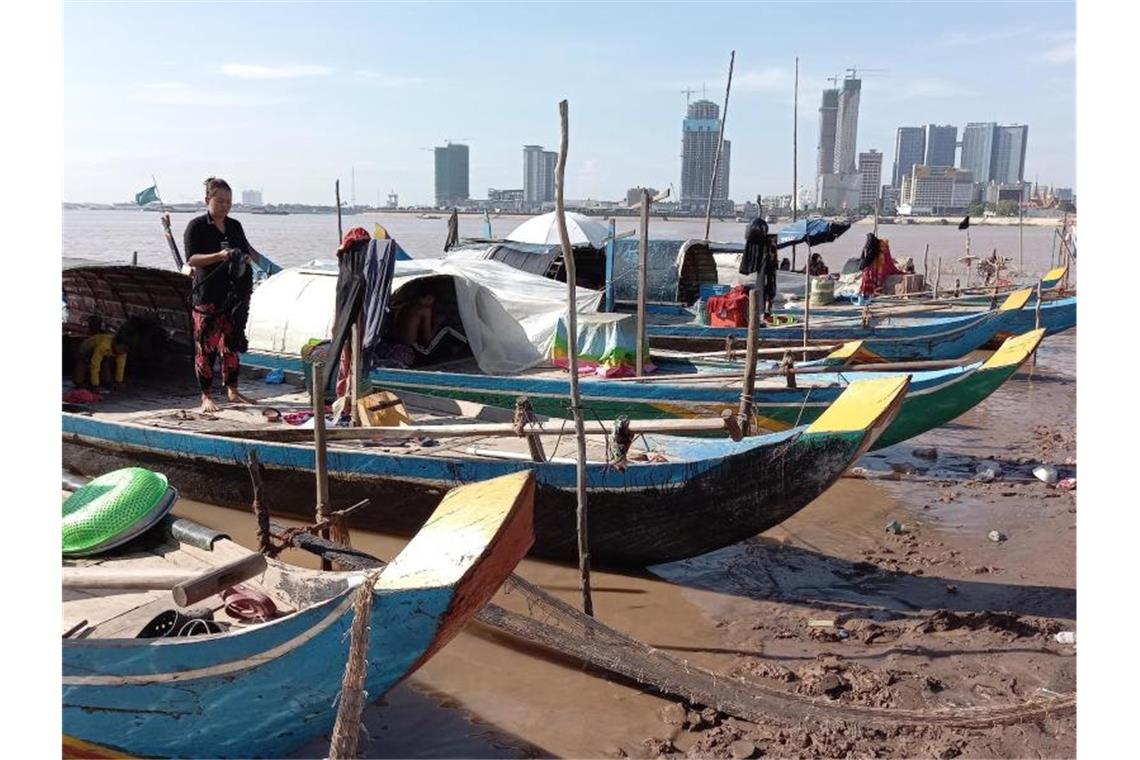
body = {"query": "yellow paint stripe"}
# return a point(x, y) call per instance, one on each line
point(456, 534)
point(860, 405)
point(1017, 299)
point(1015, 350)
point(851, 353)
point(78, 748)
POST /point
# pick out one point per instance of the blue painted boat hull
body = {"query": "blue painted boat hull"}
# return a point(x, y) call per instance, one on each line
point(710, 493)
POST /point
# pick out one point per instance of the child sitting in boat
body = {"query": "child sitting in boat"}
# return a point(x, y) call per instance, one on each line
point(92, 360)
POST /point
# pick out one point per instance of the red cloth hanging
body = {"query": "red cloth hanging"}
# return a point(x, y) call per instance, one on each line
point(877, 272)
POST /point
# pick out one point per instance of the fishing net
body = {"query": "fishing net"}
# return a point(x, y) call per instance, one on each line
point(563, 631)
point(112, 508)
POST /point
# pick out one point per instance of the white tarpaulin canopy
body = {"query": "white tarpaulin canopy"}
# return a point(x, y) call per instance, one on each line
point(508, 316)
point(543, 229)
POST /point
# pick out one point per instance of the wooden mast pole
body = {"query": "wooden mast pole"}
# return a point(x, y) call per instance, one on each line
point(320, 450)
point(572, 347)
point(642, 282)
point(795, 151)
point(719, 146)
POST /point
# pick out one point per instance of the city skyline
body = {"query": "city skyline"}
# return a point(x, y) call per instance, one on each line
point(295, 121)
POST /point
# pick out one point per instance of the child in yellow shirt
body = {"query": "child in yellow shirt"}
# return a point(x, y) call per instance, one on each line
point(99, 347)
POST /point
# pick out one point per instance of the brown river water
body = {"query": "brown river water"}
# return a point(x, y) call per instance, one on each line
point(482, 697)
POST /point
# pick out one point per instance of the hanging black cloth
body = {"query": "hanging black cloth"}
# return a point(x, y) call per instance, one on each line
point(755, 245)
point(870, 252)
point(965, 223)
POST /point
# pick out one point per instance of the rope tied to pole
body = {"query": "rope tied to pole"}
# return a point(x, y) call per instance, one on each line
point(623, 440)
point(353, 697)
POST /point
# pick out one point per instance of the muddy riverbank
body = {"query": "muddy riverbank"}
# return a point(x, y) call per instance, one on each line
point(930, 614)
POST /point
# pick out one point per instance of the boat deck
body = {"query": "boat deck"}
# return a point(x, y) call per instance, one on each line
point(175, 406)
point(110, 614)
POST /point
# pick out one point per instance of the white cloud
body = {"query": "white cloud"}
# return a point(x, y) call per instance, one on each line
point(921, 87)
point(1066, 52)
point(182, 94)
point(770, 79)
point(251, 71)
point(381, 79)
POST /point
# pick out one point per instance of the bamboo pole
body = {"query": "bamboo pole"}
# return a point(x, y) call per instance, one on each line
point(795, 151)
point(925, 268)
point(749, 384)
point(320, 448)
point(484, 430)
point(807, 293)
point(938, 277)
point(572, 345)
point(339, 228)
point(719, 146)
point(642, 282)
point(354, 369)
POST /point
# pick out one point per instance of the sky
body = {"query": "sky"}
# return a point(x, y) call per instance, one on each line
point(289, 97)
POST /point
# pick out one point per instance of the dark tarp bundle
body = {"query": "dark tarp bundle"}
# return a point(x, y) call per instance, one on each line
point(755, 245)
point(364, 283)
point(870, 251)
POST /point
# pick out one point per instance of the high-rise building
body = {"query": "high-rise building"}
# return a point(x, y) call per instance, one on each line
point(1009, 153)
point(978, 140)
point(910, 149)
point(936, 189)
point(538, 174)
point(825, 155)
point(839, 191)
point(847, 125)
point(941, 142)
point(699, 134)
point(452, 174)
point(871, 169)
point(251, 198)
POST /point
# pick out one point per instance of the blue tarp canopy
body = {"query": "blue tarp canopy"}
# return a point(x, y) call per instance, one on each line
point(812, 231)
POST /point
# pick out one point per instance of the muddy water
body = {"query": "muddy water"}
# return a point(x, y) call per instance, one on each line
point(479, 697)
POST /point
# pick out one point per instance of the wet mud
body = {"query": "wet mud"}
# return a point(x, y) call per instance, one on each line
point(888, 592)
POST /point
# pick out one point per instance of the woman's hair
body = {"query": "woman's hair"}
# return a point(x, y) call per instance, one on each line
point(214, 184)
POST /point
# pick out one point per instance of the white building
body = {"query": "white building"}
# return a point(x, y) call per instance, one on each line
point(871, 167)
point(839, 191)
point(251, 198)
point(936, 190)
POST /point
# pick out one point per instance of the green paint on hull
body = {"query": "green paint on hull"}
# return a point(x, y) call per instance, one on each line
point(920, 412)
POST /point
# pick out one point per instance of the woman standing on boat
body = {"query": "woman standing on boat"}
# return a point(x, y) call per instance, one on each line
point(217, 250)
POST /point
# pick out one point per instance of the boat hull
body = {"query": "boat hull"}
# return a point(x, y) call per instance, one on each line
point(713, 493)
point(265, 690)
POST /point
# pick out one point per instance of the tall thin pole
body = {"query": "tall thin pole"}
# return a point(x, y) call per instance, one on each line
point(339, 228)
point(572, 345)
point(807, 294)
point(795, 151)
point(320, 449)
point(1020, 232)
point(642, 280)
point(719, 146)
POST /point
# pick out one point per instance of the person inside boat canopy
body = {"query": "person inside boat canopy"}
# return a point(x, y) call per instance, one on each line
point(92, 359)
point(816, 267)
point(218, 251)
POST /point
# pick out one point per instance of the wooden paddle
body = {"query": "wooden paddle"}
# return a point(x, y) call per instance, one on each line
point(186, 587)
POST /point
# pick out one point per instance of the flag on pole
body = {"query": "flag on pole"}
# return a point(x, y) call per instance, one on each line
point(965, 223)
point(147, 196)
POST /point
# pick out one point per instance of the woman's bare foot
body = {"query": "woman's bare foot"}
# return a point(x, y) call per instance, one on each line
point(208, 405)
point(237, 398)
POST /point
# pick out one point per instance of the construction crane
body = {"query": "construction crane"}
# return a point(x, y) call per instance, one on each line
point(450, 140)
point(854, 71)
point(688, 93)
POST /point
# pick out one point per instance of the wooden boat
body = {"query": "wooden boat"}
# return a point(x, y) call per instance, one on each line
point(934, 397)
point(900, 340)
point(675, 498)
point(263, 689)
